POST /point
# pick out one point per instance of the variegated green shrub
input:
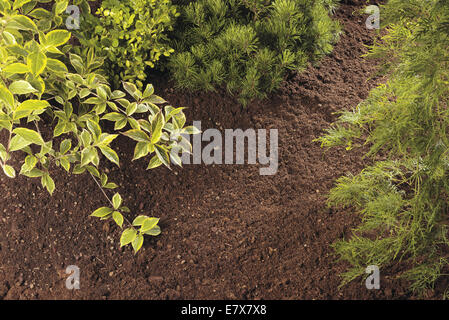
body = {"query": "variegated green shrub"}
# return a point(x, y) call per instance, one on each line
point(131, 34)
point(40, 76)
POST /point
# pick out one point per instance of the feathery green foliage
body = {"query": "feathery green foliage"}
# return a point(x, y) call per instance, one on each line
point(403, 201)
point(248, 45)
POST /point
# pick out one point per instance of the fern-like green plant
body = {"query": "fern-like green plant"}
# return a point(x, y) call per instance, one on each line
point(403, 201)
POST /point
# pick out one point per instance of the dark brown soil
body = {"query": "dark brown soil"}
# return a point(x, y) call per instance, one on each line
point(227, 231)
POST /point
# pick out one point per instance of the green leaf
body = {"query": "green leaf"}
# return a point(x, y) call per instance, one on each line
point(113, 116)
point(154, 232)
point(110, 154)
point(65, 164)
point(60, 128)
point(40, 13)
point(37, 61)
point(117, 94)
point(137, 243)
point(154, 163)
point(94, 171)
point(57, 38)
point(29, 106)
point(145, 125)
point(155, 99)
point(149, 90)
point(48, 183)
point(2, 152)
point(101, 92)
point(86, 138)
point(101, 212)
point(84, 93)
point(57, 66)
point(21, 87)
point(100, 108)
point(37, 83)
point(156, 127)
point(88, 155)
point(179, 119)
point(24, 23)
point(120, 124)
point(76, 78)
point(78, 169)
point(141, 150)
point(94, 127)
point(30, 164)
point(29, 135)
point(111, 185)
point(131, 109)
point(134, 123)
point(65, 146)
point(137, 135)
point(118, 218)
point(105, 139)
point(163, 155)
point(18, 68)
point(128, 236)
point(170, 112)
point(5, 5)
point(149, 224)
point(176, 159)
point(123, 102)
point(35, 173)
point(117, 201)
point(77, 63)
point(19, 3)
point(138, 221)
point(18, 143)
point(10, 40)
point(32, 105)
point(191, 130)
point(132, 90)
point(6, 96)
point(61, 6)
point(93, 100)
point(9, 171)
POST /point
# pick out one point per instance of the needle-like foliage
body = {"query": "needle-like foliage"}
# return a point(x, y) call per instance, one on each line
point(248, 45)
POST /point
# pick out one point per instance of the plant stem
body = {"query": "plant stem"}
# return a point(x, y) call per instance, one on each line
point(106, 196)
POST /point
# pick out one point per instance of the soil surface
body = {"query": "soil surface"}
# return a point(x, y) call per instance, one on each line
point(228, 232)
